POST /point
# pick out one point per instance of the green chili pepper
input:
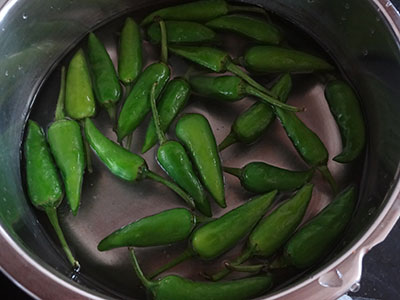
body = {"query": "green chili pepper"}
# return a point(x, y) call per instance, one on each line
point(256, 29)
point(346, 109)
point(178, 288)
point(194, 131)
point(175, 162)
point(164, 228)
point(125, 164)
point(137, 105)
point(181, 32)
point(259, 177)
point(106, 84)
point(66, 145)
point(130, 53)
point(282, 60)
point(231, 89)
point(173, 100)
point(44, 185)
point(218, 236)
point(272, 232)
point(315, 239)
point(218, 61)
point(202, 10)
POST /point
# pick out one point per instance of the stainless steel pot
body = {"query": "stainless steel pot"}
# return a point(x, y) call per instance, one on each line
point(361, 35)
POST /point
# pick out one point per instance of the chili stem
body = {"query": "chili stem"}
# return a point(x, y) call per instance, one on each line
point(164, 40)
point(61, 98)
point(112, 113)
point(52, 215)
point(245, 269)
point(151, 175)
point(270, 100)
point(128, 89)
point(329, 178)
point(188, 253)
point(233, 171)
point(229, 140)
point(87, 149)
point(147, 283)
point(156, 117)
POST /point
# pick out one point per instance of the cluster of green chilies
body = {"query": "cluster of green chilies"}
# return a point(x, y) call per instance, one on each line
point(193, 162)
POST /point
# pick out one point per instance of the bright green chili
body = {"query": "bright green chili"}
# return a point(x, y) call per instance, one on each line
point(175, 162)
point(195, 133)
point(125, 164)
point(178, 288)
point(44, 185)
point(66, 145)
point(272, 59)
point(259, 177)
point(254, 28)
point(231, 89)
point(346, 109)
point(273, 231)
point(218, 236)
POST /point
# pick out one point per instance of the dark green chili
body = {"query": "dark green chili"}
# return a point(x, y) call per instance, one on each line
point(202, 10)
point(259, 177)
point(315, 239)
point(130, 53)
point(172, 101)
point(282, 60)
point(164, 228)
point(272, 232)
point(231, 89)
point(194, 131)
point(181, 32)
point(44, 185)
point(252, 123)
point(106, 84)
point(125, 164)
point(218, 236)
point(175, 162)
point(256, 29)
point(178, 288)
point(66, 145)
point(346, 109)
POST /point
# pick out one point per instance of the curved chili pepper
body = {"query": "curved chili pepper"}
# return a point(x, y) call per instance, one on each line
point(256, 29)
point(175, 162)
point(202, 10)
point(130, 53)
point(218, 236)
point(231, 89)
point(44, 185)
point(195, 133)
point(66, 145)
point(315, 239)
point(259, 177)
point(282, 60)
point(124, 164)
point(272, 232)
point(178, 288)
point(106, 84)
point(346, 109)
point(172, 101)
point(181, 32)
point(164, 228)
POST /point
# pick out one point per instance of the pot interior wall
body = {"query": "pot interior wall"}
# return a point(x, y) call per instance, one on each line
point(355, 35)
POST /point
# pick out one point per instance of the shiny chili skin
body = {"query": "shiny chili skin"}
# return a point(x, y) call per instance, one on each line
point(173, 100)
point(179, 288)
point(163, 228)
point(254, 28)
point(130, 53)
point(282, 60)
point(182, 32)
point(315, 239)
point(346, 109)
point(195, 133)
point(251, 124)
point(259, 177)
